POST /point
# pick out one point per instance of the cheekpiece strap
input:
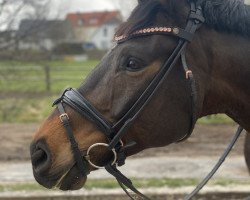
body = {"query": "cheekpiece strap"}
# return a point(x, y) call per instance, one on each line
point(80, 161)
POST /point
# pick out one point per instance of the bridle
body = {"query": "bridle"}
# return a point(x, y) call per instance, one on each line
point(115, 132)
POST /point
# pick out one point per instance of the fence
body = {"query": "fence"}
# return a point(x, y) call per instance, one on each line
point(40, 78)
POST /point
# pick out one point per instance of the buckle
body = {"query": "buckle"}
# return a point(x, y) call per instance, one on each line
point(189, 74)
point(62, 116)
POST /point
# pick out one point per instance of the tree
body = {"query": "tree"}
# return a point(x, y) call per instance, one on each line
point(124, 6)
point(12, 12)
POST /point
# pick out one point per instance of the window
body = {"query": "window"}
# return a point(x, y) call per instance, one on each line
point(80, 22)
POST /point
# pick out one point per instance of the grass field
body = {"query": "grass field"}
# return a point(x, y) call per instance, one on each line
point(25, 110)
point(31, 77)
point(26, 78)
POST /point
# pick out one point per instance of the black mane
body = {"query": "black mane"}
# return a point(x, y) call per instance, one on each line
point(223, 15)
point(227, 15)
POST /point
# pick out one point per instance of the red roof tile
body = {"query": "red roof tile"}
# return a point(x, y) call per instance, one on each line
point(92, 18)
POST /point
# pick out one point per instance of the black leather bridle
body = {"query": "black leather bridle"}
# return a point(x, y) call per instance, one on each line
point(115, 132)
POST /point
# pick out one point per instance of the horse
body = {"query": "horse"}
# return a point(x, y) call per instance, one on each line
point(175, 61)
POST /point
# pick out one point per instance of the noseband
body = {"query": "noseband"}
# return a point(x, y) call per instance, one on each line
point(115, 132)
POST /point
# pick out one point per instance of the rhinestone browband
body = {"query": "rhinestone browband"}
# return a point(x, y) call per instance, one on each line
point(147, 31)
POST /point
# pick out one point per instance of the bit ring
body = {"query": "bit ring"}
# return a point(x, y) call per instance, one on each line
point(95, 145)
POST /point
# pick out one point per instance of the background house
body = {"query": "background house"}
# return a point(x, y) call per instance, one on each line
point(95, 29)
point(8, 40)
point(43, 34)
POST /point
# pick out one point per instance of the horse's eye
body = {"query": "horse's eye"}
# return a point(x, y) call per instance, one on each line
point(133, 65)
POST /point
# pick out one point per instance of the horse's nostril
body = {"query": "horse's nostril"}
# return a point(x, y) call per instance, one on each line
point(40, 157)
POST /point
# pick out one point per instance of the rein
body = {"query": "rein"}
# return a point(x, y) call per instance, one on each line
point(115, 132)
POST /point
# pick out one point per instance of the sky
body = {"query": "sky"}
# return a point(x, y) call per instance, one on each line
point(86, 5)
point(60, 8)
point(94, 5)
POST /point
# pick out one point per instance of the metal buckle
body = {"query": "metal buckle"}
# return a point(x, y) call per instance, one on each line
point(63, 115)
point(87, 157)
point(189, 73)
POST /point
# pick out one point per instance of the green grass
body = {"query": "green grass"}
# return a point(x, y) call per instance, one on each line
point(216, 119)
point(164, 182)
point(25, 110)
point(20, 187)
point(139, 183)
point(59, 63)
point(30, 77)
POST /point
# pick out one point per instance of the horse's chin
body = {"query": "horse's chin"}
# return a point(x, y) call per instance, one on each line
point(72, 183)
point(72, 180)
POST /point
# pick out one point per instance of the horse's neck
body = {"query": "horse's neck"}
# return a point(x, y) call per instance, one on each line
point(228, 90)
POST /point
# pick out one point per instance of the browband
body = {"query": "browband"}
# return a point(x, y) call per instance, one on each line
point(177, 32)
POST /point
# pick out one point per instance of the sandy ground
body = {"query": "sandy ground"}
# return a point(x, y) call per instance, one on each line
point(206, 140)
point(193, 158)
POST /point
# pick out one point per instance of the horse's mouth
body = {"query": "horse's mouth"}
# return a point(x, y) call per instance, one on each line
point(70, 179)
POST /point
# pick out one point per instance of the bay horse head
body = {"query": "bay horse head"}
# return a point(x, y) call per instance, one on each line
point(149, 90)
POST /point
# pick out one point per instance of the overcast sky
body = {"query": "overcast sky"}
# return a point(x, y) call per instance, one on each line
point(60, 8)
point(94, 5)
point(88, 5)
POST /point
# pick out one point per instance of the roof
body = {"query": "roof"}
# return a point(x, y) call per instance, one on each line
point(8, 34)
point(89, 19)
point(52, 29)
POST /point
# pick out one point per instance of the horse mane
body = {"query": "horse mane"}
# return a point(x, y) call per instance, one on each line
point(227, 15)
point(231, 16)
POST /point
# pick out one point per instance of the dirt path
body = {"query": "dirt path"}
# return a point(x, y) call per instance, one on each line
point(234, 168)
point(190, 159)
point(206, 140)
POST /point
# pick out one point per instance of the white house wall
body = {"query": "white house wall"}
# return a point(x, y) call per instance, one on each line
point(47, 44)
point(83, 34)
point(103, 37)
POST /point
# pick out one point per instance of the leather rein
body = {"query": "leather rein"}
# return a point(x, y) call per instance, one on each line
point(115, 132)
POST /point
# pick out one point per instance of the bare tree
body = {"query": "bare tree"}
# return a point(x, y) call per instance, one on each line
point(32, 15)
point(12, 12)
point(124, 6)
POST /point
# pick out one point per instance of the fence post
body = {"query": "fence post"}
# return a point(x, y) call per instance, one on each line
point(47, 78)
